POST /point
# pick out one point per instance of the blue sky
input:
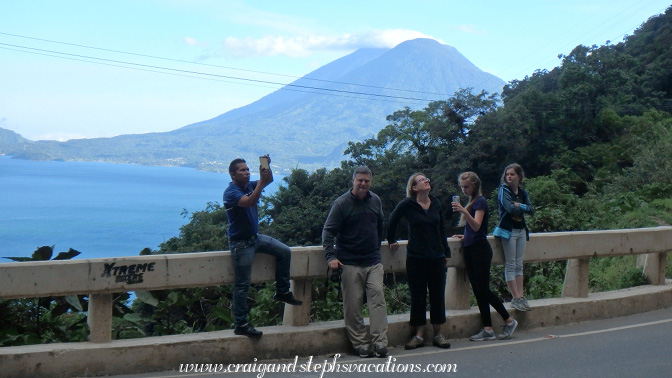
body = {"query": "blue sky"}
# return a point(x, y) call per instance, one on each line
point(45, 96)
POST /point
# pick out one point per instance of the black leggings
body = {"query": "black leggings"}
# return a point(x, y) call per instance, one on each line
point(477, 259)
point(424, 275)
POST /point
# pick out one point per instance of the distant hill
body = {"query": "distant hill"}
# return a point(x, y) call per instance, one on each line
point(9, 139)
point(298, 124)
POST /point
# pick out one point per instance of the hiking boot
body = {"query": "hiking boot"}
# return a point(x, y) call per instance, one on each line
point(288, 298)
point(441, 342)
point(247, 330)
point(381, 351)
point(483, 335)
point(508, 330)
point(416, 342)
point(365, 352)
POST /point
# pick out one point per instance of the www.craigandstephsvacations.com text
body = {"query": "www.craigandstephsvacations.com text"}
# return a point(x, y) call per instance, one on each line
point(319, 368)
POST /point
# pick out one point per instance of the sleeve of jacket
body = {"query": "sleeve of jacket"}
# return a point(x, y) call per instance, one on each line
point(330, 230)
point(381, 222)
point(395, 217)
point(527, 206)
point(505, 198)
point(442, 232)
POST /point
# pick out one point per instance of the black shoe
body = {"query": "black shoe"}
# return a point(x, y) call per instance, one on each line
point(381, 351)
point(365, 352)
point(288, 298)
point(247, 330)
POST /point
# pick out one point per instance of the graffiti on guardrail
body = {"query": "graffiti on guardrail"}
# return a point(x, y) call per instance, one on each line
point(130, 274)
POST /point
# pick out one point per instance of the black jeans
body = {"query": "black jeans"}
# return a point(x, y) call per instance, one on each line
point(424, 274)
point(477, 259)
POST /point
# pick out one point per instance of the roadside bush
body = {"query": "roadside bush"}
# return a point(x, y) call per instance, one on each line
point(613, 273)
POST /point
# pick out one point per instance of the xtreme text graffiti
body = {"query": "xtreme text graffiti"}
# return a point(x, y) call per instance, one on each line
point(131, 274)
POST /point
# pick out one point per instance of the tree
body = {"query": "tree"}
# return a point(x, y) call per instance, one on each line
point(296, 212)
point(434, 141)
point(207, 231)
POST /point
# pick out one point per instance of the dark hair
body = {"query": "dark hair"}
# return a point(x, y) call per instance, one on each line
point(234, 165)
point(362, 170)
point(519, 171)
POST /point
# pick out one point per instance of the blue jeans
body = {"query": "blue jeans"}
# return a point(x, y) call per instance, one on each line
point(242, 252)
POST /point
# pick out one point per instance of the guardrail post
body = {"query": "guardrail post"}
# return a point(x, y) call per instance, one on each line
point(576, 279)
point(299, 315)
point(653, 267)
point(99, 318)
point(457, 289)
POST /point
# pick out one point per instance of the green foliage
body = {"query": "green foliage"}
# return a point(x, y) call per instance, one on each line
point(613, 273)
point(431, 140)
point(326, 304)
point(48, 319)
point(497, 283)
point(206, 231)
point(45, 253)
point(296, 212)
point(398, 299)
point(557, 208)
point(545, 280)
point(265, 310)
point(40, 320)
point(169, 312)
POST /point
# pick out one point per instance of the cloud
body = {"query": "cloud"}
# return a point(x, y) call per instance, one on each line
point(301, 46)
point(471, 29)
point(242, 13)
point(193, 42)
point(64, 136)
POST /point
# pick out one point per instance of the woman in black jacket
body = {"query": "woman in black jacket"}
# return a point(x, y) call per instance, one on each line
point(427, 255)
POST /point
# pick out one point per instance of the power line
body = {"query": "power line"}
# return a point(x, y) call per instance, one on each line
point(219, 66)
point(222, 76)
point(203, 78)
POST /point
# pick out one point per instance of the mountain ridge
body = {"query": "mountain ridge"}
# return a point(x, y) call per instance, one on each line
point(308, 122)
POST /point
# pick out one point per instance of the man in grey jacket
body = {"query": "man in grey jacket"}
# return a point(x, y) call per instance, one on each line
point(351, 239)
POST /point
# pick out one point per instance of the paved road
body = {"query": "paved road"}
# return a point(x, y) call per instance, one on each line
point(632, 346)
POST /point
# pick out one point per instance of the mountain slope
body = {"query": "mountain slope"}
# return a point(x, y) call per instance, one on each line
point(308, 122)
point(10, 139)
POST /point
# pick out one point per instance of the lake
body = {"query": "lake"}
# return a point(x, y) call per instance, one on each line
point(99, 209)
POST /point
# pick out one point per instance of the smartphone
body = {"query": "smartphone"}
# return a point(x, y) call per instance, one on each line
point(263, 161)
point(456, 199)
